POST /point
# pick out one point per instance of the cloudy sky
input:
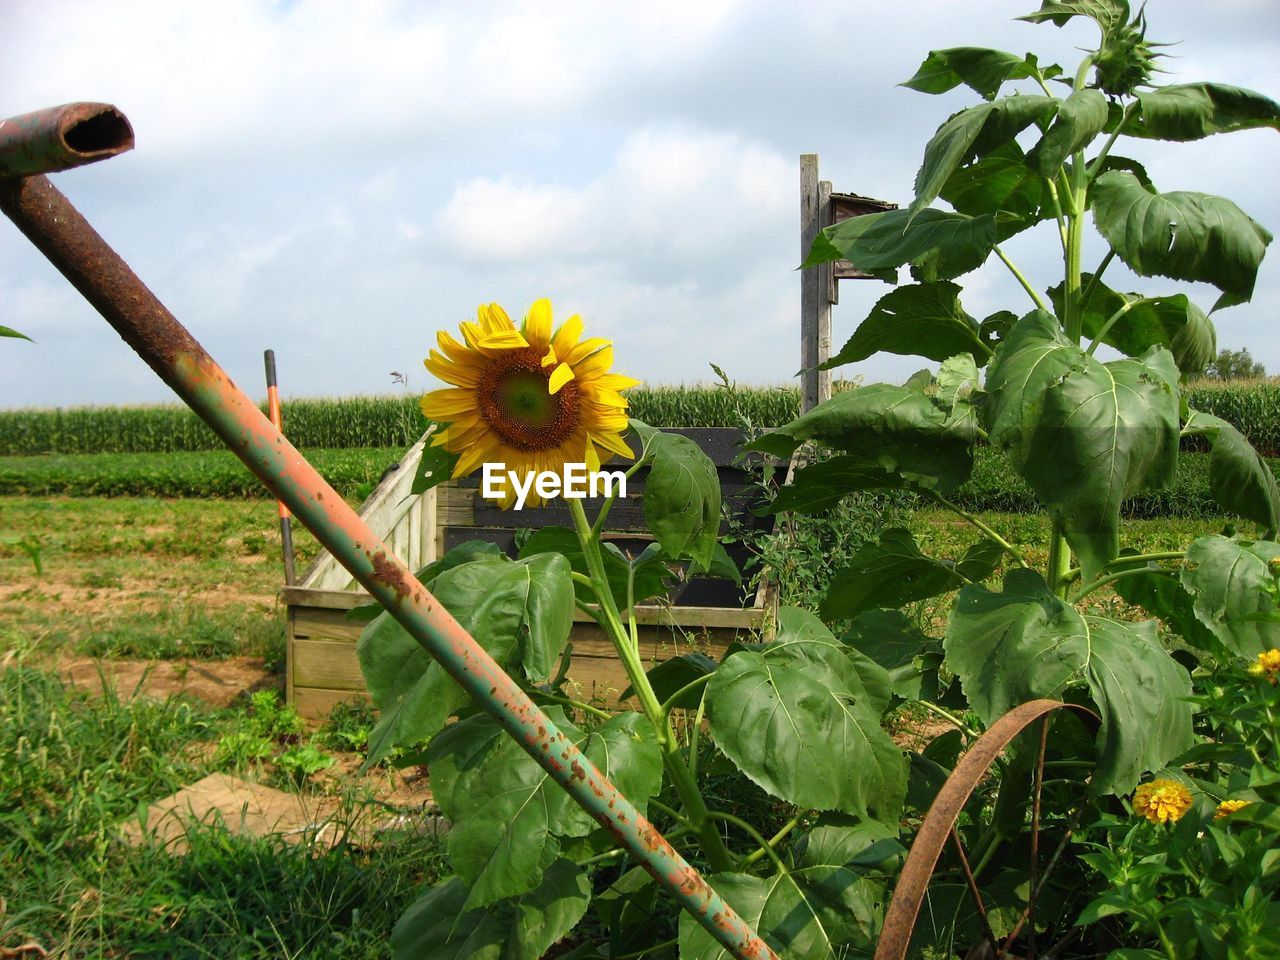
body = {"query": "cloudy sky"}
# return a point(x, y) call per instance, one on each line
point(336, 181)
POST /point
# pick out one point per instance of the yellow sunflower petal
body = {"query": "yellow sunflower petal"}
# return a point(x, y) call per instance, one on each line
point(447, 404)
point(592, 458)
point(581, 351)
point(504, 340)
point(537, 323)
point(457, 374)
point(471, 458)
point(613, 443)
point(559, 377)
point(606, 398)
point(567, 335)
point(596, 364)
point(454, 350)
point(493, 319)
point(616, 381)
point(549, 358)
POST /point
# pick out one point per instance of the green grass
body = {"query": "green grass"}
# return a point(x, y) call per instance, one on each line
point(74, 768)
point(209, 473)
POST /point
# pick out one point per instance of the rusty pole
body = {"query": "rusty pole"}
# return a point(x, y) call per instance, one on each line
point(57, 139)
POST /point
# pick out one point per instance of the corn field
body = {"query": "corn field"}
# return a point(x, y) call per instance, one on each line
point(394, 421)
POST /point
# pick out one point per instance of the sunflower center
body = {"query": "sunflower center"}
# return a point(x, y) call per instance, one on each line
point(517, 404)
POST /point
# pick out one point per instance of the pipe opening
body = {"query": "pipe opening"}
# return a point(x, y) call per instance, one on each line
point(106, 131)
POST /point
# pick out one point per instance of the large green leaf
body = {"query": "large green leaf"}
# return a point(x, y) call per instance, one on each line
point(974, 132)
point(436, 465)
point(982, 69)
point(803, 712)
point(1108, 14)
point(1160, 592)
point(1182, 235)
point(898, 429)
point(1025, 642)
point(1191, 111)
point(886, 574)
point(521, 613)
point(1080, 118)
point(879, 243)
point(1227, 579)
point(1000, 183)
point(1239, 479)
point(438, 925)
point(508, 815)
point(923, 320)
point(1174, 322)
point(1032, 355)
point(1085, 434)
point(681, 495)
point(820, 486)
point(807, 914)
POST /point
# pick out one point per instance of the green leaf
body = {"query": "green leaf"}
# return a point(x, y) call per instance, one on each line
point(1162, 595)
point(820, 486)
point(885, 574)
point(1084, 434)
point(799, 714)
point(1191, 111)
point(979, 68)
point(1000, 183)
point(1108, 14)
point(519, 612)
point(807, 914)
point(436, 465)
point(681, 495)
point(1239, 478)
point(1174, 322)
point(1227, 579)
point(437, 926)
point(879, 243)
point(1025, 643)
point(888, 637)
point(10, 332)
point(508, 815)
point(1080, 118)
point(650, 570)
point(1032, 356)
point(900, 430)
point(670, 676)
point(974, 132)
point(924, 320)
point(1181, 235)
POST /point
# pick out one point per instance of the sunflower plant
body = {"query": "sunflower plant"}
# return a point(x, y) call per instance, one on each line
point(787, 720)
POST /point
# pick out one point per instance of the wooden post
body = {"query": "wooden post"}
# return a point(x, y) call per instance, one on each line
point(816, 285)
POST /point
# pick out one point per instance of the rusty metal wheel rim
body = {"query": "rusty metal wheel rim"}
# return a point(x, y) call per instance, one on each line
point(938, 827)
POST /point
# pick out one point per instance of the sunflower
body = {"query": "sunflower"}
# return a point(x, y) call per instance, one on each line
point(526, 397)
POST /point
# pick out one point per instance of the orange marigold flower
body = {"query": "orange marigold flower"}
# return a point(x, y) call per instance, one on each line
point(1162, 800)
point(1267, 665)
point(1228, 807)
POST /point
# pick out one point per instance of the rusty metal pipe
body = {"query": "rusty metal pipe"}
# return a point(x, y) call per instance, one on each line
point(58, 230)
point(62, 137)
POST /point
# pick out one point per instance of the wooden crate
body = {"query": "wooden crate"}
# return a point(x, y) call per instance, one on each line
point(707, 615)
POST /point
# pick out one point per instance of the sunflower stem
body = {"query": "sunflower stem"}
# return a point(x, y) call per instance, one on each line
point(673, 761)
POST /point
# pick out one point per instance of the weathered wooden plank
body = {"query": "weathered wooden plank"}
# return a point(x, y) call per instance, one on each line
point(315, 703)
point(325, 623)
point(329, 664)
point(335, 599)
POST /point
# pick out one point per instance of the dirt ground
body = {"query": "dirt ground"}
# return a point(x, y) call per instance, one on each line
point(216, 682)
